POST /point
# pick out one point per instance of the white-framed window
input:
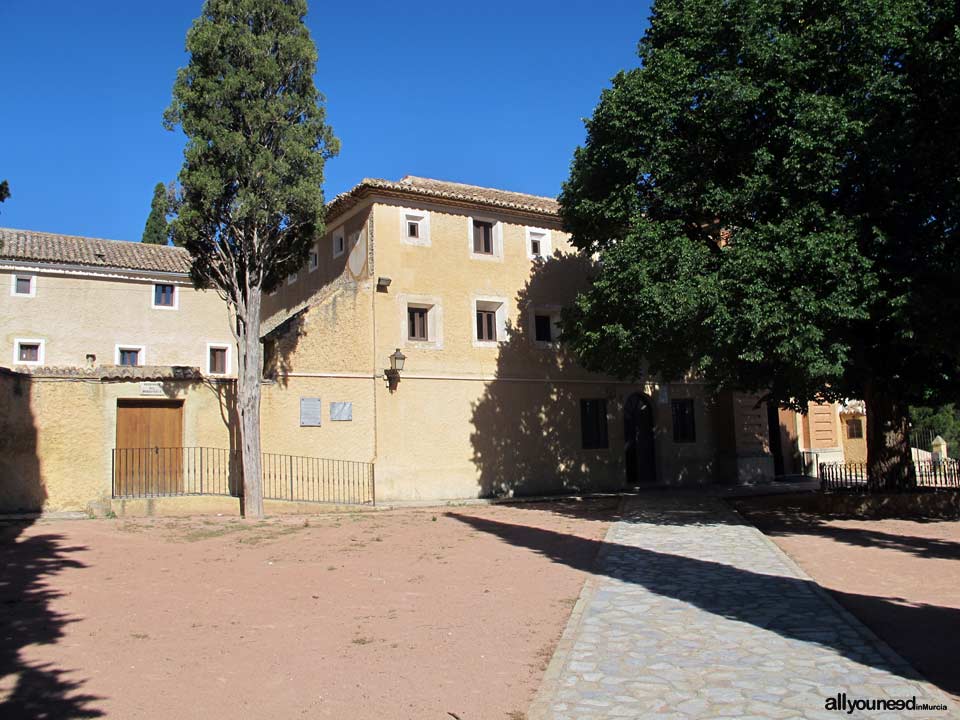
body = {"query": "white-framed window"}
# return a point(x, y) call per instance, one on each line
point(165, 296)
point(489, 320)
point(130, 355)
point(218, 359)
point(29, 351)
point(485, 238)
point(339, 242)
point(539, 243)
point(421, 321)
point(415, 227)
point(314, 260)
point(23, 285)
point(544, 325)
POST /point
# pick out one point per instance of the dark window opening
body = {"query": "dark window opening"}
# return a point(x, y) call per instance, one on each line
point(535, 246)
point(684, 428)
point(23, 285)
point(543, 328)
point(417, 322)
point(413, 229)
point(486, 325)
point(129, 357)
point(218, 361)
point(854, 429)
point(593, 424)
point(163, 295)
point(29, 352)
point(483, 237)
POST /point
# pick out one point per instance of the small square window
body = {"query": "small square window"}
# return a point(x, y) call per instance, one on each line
point(684, 427)
point(129, 356)
point(417, 323)
point(217, 361)
point(487, 325)
point(593, 424)
point(482, 237)
point(23, 285)
point(28, 352)
point(413, 229)
point(543, 328)
point(854, 429)
point(164, 296)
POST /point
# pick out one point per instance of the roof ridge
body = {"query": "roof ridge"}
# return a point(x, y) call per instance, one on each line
point(407, 178)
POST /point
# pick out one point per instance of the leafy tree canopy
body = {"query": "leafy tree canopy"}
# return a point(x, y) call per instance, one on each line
point(4, 190)
point(774, 199)
point(156, 231)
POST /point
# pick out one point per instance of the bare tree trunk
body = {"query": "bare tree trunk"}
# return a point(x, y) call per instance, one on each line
point(248, 402)
point(889, 459)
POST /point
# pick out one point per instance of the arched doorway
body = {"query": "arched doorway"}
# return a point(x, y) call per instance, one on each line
point(638, 439)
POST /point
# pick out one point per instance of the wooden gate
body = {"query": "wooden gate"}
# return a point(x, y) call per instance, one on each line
point(154, 429)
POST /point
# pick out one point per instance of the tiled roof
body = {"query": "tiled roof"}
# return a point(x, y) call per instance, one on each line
point(34, 246)
point(443, 190)
point(109, 373)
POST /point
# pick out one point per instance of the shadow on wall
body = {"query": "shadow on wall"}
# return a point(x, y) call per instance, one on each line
point(526, 436)
point(722, 590)
point(21, 485)
point(31, 689)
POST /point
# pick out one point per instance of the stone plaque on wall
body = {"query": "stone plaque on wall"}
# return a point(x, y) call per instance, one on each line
point(154, 389)
point(310, 412)
point(341, 411)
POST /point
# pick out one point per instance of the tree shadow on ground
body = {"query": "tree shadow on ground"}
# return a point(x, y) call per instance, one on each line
point(30, 689)
point(723, 590)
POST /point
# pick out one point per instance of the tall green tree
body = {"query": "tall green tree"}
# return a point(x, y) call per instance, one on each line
point(4, 190)
point(251, 203)
point(774, 199)
point(156, 231)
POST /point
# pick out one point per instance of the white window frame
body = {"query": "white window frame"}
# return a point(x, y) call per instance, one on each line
point(340, 235)
point(553, 311)
point(41, 352)
point(497, 255)
point(313, 259)
point(490, 303)
point(546, 243)
point(228, 364)
point(422, 218)
point(33, 284)
point(153, 297)
point(141, 353)
point(434, 309)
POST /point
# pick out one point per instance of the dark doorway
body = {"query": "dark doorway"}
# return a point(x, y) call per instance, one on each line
point(638, 440)
point(776, 446)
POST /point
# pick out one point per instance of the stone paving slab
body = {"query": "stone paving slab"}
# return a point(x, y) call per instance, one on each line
point(693, 614)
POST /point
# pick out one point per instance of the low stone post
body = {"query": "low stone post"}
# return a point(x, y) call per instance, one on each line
point(939, 447)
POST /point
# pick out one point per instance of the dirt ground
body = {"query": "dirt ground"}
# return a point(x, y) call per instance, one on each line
point(396, 614)
point(901, 578)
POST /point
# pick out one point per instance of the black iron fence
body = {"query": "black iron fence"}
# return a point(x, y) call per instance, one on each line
point(944, 473)
point(180, 471)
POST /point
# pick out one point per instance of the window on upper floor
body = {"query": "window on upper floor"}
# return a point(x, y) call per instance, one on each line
point(28, 352)
point(487, 325)
point(543, 328)
point(854, 428)
point(539, 244)
point(218, 359)
point(165, 296)
point(314, 260)
point(23, 285)
point(684, 423)
point(415, 229)
point(339, 243)
point(483, 237)
point(130, 355)
point(593, 424)
point(417, 323)
point(489, 320)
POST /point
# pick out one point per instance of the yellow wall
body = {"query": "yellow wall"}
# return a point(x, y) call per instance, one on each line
point(62, 432)
point(91, 313)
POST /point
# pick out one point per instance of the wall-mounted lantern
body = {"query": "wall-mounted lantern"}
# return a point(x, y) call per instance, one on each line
point(392, 373)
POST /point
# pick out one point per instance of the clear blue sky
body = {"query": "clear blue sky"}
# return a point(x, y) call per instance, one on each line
point(490, 93)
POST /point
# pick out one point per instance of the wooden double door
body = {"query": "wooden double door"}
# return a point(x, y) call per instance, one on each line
point(149, 455)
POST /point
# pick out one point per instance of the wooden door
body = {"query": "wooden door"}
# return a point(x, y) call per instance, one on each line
point(149, 456)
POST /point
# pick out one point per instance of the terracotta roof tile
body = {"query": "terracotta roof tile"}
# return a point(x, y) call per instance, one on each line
point(35, 246)
point(445, 190)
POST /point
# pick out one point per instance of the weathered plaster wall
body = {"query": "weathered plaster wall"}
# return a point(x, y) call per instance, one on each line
point(81, 314)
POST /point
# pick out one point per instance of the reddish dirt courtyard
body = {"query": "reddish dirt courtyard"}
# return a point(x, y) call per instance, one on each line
point(901, 578)
point(394, 614)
